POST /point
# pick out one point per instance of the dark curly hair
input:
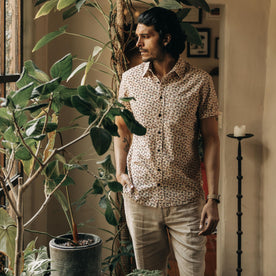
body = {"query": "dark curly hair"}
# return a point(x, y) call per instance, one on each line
point(165, 22)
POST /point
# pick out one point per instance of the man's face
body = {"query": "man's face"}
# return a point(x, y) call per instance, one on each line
point(149, 43)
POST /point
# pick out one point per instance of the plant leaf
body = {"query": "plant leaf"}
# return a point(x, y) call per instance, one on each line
point(110, 127)
point(46, 8)
point(170, 4)
point(97, 187)
point(49, 37)
point(34, 72)
point(115, 186)
point(196, 3)
point(7, 235)
point(132, 124)
point(64, 3)
point(62, 68)
point(22, 96)
point(82, 106)
point(78, 69)
point(22, 154)
point(107, 165)
point(101, 139)
point(109, 214)
point(191, 33)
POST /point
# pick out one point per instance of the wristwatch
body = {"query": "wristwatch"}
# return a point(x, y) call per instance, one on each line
point(214, 197)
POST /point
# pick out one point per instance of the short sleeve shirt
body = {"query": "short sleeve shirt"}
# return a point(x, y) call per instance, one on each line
point(164, 164)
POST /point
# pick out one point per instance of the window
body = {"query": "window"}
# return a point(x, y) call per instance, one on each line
point(10, 54)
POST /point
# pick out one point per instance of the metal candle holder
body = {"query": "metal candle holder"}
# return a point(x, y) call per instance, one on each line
point(239, 197)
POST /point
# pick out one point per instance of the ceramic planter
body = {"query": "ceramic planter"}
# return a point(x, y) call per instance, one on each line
point(82, 260)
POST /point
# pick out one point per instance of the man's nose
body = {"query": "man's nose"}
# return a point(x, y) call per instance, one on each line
point(138, 43)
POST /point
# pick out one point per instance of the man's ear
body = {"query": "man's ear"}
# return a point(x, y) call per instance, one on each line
point(167, 39)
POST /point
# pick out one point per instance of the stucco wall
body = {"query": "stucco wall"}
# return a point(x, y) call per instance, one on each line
point(269, 150)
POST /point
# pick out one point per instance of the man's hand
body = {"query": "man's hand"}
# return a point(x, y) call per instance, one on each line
point(210, 214)
point(125, 181)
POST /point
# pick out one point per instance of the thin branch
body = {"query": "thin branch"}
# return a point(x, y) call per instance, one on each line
point(42, 207)
point(6, 192)
point(24, 143)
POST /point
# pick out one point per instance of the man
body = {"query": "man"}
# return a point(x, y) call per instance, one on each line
point(162, 186)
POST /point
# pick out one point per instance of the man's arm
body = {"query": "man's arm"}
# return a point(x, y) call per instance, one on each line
point(121, 148)
point(209, 130)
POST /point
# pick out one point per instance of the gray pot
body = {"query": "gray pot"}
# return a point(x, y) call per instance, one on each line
point(76, 260)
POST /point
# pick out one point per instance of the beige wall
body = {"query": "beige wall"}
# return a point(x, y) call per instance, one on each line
point(247, 67)
point(269, 151)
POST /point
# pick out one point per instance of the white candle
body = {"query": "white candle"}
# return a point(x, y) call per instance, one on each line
point(239, 131)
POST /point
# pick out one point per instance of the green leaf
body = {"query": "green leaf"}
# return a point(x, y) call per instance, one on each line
point(102, 202)
point(78, 69)
point(64, 3)
point(79, 4)
point(132, 124)
point(170, 4)
point(35, 72)
point(36, 137)
point(191, 33)
point(69, 12)
point(49, 37)
point(182, 13)
point(88, 96)
point(22, 96)
point(46, 8)
point(110, 126)
point(36, 262)
point(52, 170)
point(38, 2)
point(7, 235)
point(65, 95)
point(10, 136)
point(70, 167)
point(196, 3)
point(68, 180)
point(82, 106)
point(127, 99)
point(22, 154)
point(62, 68)
point(115, 186)
point(101, 139)
point(97, 187)
point(103, 90)
point(4, 123)
point(35, 107)
point(109, 214)
point(26, 79)
point(46, 88)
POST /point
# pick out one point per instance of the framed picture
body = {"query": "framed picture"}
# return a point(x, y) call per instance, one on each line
point(202, 50)
point(194, 16)
point(215, 13)
point(217, 47)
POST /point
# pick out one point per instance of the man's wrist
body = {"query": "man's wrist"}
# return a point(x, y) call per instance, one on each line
point(213, 197)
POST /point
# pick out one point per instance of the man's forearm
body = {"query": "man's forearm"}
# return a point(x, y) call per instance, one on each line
point(121, 148)
point(211, 162)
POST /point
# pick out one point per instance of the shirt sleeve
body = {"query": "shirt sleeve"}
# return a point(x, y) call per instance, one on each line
point(208, 106)
point(123, 92)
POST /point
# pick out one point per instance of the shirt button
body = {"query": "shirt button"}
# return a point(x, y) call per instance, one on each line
point(158, 150)
point(159, 115)
point(159, 132)
point(158, 184)
point(159, 170)
point(161, 97)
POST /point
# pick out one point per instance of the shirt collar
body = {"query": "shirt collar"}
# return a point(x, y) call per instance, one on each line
point(179, 68)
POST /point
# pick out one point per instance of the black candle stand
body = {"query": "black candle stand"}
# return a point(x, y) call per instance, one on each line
point(239, 197)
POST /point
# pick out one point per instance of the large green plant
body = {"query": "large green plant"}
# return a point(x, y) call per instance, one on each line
point(28, 129)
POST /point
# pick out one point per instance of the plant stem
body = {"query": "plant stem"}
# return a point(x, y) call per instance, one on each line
point(19, 231)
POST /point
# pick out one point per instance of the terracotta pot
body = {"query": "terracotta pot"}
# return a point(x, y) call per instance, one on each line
point(76, 260)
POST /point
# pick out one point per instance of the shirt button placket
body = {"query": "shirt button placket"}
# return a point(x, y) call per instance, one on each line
point(160, 138)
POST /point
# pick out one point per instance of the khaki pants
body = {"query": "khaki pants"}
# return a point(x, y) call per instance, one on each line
point(148, 228)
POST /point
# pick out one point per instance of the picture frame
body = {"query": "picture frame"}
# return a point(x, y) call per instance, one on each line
point(214, 14)
point(194, 16)
point(194, 50)
point(217, 47)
